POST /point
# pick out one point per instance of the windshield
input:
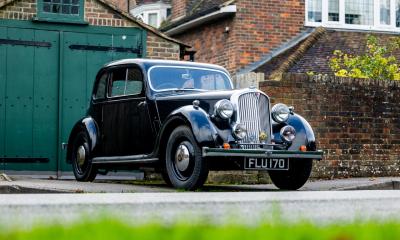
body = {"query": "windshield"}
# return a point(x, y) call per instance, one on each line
point(170, 78)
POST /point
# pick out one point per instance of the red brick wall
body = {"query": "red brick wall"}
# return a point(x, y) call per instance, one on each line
point(96, 13)
point(212, 43)
point(263, 25)
point(178, 8)
point(258, 27)
point(356, 122)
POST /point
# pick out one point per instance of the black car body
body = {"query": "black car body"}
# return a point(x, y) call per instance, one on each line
point(185, 119)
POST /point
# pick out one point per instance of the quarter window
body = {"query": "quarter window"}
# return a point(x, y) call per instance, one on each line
point(134, 83)
point(126, 81)
point(101, 87)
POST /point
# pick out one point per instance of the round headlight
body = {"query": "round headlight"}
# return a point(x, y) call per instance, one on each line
point(240, 131)
point(224, 109)
point(280, 113)
point(288, 133)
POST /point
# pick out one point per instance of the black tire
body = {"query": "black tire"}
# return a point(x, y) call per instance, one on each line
point(293, 179)
point(165, 177)
point(184, 163)
point(82, 166)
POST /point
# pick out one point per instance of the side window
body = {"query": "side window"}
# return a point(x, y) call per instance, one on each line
point(100, 92)
point(126, 82)
point(134, 83)
point(118, 77)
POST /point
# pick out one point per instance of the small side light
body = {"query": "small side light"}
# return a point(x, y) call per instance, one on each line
point(303, 148)
point(227, 146)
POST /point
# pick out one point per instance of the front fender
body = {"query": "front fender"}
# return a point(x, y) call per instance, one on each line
point(304, 133)
point(89, 125)
point(196, 118)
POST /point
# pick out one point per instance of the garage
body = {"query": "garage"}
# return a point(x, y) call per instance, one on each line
point(50, 52)
point(46, 78)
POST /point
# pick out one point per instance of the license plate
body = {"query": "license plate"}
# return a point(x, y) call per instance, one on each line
point(266, 163)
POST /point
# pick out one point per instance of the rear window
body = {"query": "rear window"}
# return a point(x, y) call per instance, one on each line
point(165, 78)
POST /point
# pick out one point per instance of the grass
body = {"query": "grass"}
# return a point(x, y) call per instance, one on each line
point(114, 229)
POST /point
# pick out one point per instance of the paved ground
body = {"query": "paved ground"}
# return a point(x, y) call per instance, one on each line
point(215, 207)
point(319, 201)
point(30, 185)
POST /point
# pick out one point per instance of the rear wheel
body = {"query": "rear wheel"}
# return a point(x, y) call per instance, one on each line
point(82, 166)
point(293, 179)
point(184, 163)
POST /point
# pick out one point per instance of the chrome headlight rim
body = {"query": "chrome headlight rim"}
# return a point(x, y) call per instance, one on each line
point(239, 131)
point(224, 109)
point(288, 133)
point(280, 113)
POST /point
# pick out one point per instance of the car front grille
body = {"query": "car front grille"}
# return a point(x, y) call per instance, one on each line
point(253, 112)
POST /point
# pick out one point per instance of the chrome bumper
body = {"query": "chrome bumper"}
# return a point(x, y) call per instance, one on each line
point(261, 153)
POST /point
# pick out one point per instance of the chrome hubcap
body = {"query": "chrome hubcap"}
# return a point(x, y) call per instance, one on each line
point(81, 156)
point(182, 158)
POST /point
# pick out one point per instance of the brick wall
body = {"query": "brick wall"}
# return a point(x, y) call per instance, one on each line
point(178, 8)
point(356, 122)
point(158, 48)
point(98, 14)
point(258, 27)
point(263, 25)
point(212, 43)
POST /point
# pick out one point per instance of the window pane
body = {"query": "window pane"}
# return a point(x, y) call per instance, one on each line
point(101, 87)
point(397, 13)
point(118, 79)
point(65, 9)
point(46, 7)
point(164, 78)
point(385, 12)
point(153, 19)
point(134, 83)
point(314, 10)
point(74, 10)
point(55, 8)
point(333, 14)
point(359, 12)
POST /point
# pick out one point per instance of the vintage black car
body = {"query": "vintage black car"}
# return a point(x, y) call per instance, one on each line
point(184, 119)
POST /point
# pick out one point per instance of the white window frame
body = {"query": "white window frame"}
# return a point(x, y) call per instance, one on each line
point(159, 8)
point(342, 25)
point(147, 20)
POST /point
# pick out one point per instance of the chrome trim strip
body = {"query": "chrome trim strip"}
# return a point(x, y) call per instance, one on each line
point(260, 153)
point(124, 159)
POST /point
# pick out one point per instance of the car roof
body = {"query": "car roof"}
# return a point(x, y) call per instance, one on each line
point(154, 62)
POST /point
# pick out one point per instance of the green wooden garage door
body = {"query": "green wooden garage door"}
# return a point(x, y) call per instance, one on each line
point(46, 78)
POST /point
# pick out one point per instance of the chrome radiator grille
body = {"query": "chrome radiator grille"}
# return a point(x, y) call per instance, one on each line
point(253, 112)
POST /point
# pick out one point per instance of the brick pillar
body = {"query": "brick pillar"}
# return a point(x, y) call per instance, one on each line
point(179, 8)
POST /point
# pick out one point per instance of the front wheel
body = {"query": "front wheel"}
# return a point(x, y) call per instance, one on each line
point(185, 165)
point(82, 166)
point(293, 179)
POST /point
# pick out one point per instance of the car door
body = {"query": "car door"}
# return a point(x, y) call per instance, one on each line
point(126, 123)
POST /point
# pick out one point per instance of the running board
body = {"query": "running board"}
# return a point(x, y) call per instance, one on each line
point(124, 159)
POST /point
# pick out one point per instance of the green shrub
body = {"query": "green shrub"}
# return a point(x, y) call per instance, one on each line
point(376, 63)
